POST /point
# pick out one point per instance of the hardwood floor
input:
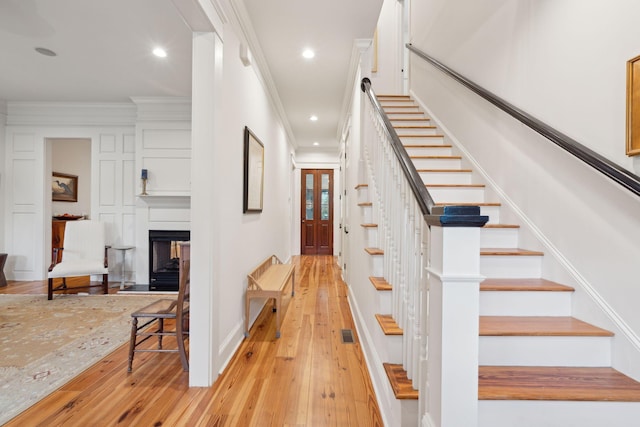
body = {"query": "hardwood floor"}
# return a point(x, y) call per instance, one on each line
point(308, 377)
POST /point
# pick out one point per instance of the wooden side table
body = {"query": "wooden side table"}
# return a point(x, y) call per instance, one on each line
point(3, 279)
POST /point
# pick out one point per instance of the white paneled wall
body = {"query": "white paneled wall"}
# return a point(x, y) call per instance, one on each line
point(124, 138)
point(163, 148)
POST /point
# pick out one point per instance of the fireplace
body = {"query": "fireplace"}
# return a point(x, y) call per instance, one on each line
point(164, 258)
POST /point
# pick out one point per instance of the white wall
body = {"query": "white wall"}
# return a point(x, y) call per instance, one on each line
point(239, 241)
point(3, 166)
point(73, 156)
point(563, 62)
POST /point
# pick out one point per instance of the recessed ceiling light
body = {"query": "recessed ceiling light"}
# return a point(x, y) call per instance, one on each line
point(45, 51)
point(316, 143)
point(160, 52)
point(308, 53)
point(313, 118)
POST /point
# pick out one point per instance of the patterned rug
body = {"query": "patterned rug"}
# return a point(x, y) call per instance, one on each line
point(44, 344)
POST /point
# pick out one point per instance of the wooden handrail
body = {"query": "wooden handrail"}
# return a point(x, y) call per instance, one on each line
point(610, 169)
point(443, 216)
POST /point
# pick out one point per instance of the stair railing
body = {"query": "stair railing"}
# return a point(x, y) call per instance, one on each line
point(610, 169)
point(401, 201)
point(404, 211)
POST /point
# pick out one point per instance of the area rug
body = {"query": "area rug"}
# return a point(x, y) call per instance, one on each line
point(44, 344)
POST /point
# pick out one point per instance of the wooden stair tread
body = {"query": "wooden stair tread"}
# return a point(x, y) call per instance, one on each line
point(523, 285)
point(412, 119)
point(470, 204)
point(365, 204)
point(388, 324)
point(455, 185)
point(444, 170)
point(380, 283)
point(369, 225)
point(555, 326)
point(421, 136)
point(401, 385)
point(374, 251)
point(393, 96)
point(501, 226)
point(509, 252)
point(359, 186)
point(556, 383)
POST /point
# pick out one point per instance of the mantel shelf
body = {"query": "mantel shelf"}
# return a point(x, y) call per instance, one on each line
point(179, 200)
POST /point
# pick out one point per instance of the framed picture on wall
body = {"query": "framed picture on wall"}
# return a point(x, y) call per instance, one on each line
point(633, 106)
point(253, 172)
point(64, 187)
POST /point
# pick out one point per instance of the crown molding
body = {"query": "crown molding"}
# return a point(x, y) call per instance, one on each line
point(70, 114)
point(162, 108)
point(240, 20)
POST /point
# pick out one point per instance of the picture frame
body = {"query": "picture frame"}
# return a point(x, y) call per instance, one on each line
point(64, 187)
point(253, 172)
point(633, 107)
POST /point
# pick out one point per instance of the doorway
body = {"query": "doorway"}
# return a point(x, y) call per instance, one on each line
point(316, 228)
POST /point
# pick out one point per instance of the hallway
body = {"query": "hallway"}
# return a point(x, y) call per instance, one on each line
point(308, 377)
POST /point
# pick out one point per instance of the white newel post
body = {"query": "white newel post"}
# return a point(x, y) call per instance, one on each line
point(451, 379)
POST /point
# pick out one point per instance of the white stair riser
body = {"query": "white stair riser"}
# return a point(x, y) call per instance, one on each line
point(516, 267)
point(428, 151)
point(457, 194)
point(534, 413)
point(393, 347)
point(422, 140)
point(404, 115)
point(493, 212)
point(363, 194)
point(422, 163)
point(545, 351)
point(404, 131)
point(376, 266)
point(367, 212)
point(401, 110)
point(371, 234)
point(446, 177)
point(413, 122)
point(525, 303)
point(383, 301)
point(388, 104)
point(499, 237)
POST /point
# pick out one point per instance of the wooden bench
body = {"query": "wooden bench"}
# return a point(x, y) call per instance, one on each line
point(268, 280)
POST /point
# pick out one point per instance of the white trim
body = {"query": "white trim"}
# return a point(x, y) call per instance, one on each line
point(365, 344)
point(464, 278)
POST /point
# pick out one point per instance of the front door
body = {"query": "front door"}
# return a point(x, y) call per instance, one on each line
point(316, 233)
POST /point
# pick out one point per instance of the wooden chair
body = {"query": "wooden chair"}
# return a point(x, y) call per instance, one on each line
point(159, 311)
point(84, 254)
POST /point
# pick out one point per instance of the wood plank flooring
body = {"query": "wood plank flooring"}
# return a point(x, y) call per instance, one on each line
point(308, 377)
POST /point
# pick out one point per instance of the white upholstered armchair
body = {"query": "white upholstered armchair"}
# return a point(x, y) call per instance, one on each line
point(84, 254)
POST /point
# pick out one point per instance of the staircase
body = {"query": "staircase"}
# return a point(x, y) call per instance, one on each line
point(539, 366)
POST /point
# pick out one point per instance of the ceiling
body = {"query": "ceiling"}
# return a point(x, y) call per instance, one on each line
point(104, 53)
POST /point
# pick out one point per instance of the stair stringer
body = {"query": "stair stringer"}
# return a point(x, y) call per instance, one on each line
point(587, 303)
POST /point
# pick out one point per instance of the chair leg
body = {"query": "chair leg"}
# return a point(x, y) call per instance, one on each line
point(105, 284)
point(161, 331)
point(132, 341)
point(50, 289)
point(181, 347)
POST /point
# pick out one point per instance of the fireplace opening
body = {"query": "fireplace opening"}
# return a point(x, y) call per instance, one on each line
point(164, 258)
